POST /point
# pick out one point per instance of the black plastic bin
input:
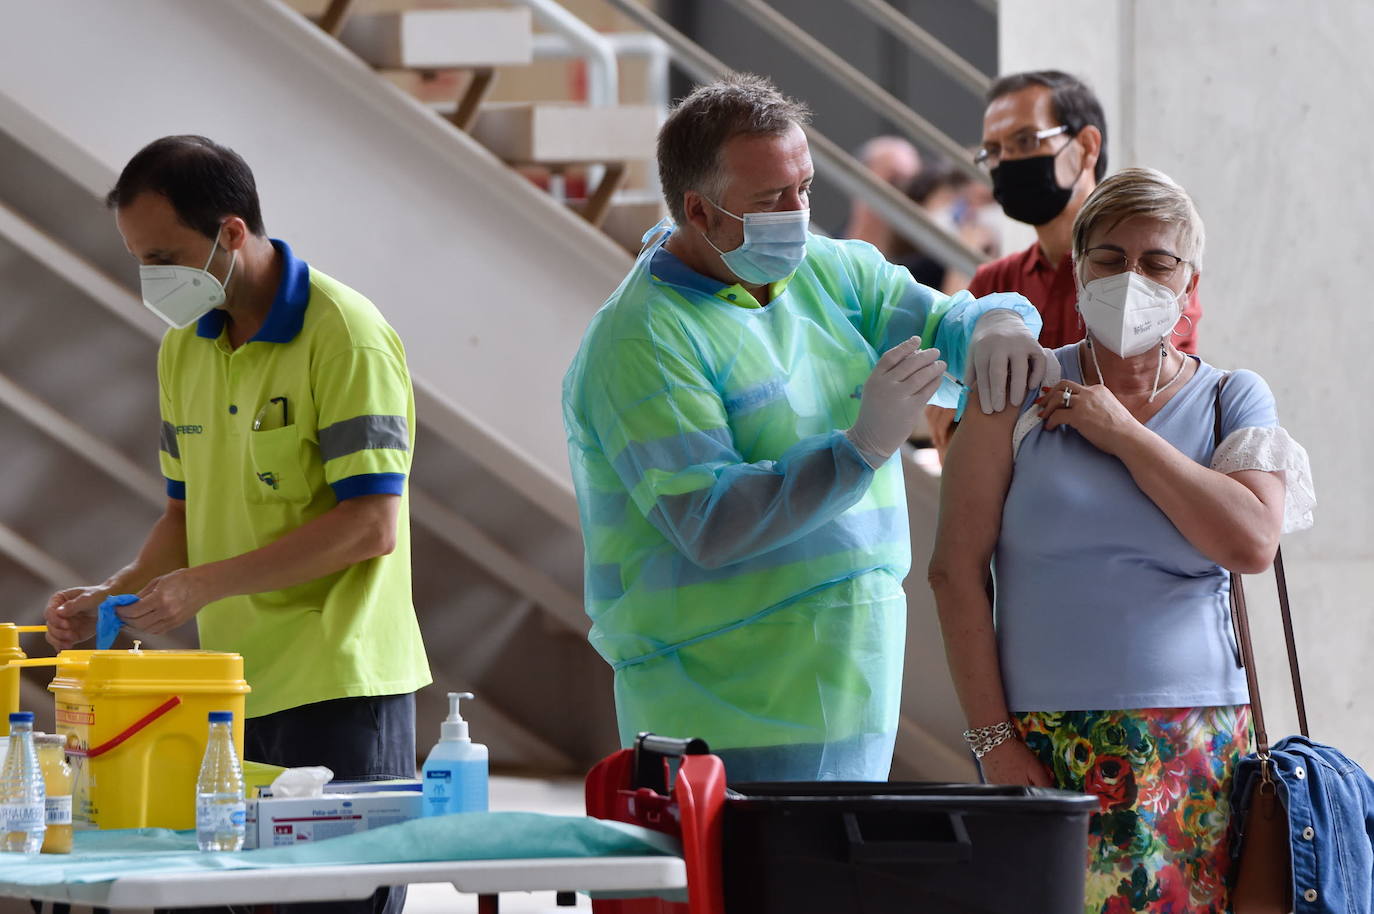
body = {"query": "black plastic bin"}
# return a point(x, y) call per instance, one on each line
point(904, 848)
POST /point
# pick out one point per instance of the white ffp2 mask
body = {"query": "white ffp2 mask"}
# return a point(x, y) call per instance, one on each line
point(1129, 313)
point(183, 295)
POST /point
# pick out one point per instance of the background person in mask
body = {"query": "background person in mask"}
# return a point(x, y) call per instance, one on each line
point(1045, 146)
point(287, 425)
point(1114, 511)
point(733, 415)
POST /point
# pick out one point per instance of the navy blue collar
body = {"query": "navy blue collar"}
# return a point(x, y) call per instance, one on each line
point(665, 266)
point(287, 315)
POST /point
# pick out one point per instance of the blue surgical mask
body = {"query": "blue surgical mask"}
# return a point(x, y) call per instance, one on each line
point(774, 245)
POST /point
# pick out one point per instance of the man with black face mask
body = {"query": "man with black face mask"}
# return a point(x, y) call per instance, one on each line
point(1045, 147)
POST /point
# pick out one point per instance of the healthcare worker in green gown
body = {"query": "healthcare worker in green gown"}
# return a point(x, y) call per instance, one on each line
point(733, 416)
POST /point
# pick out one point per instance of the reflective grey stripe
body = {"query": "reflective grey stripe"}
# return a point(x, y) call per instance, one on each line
point(363, 433)
point(169, 441)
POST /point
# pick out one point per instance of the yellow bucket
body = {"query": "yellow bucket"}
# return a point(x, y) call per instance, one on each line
point(9, 676)
point(136, 724)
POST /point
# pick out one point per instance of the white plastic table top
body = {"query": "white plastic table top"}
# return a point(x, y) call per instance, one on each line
point(332, 883)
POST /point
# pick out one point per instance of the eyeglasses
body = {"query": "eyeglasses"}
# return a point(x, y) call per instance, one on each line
point(1022, 144)
point(1158, 265)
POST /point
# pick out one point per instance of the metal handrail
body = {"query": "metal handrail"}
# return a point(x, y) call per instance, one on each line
point(868, 91)
point(837, 165)
point(603, 71)
point(625, 44)
point(603, 77)
point(622, 44)
point(925, 44)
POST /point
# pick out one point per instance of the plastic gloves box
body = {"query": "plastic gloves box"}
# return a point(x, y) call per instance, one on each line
point(282, 821)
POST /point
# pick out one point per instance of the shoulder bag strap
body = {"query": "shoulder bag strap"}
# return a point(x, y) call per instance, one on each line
point(1241, 620)
point(1282, 582)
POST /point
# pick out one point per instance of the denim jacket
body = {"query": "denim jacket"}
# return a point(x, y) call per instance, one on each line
point(1330, 803)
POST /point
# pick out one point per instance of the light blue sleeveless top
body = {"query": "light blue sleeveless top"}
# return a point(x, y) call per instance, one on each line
point(1101, 602)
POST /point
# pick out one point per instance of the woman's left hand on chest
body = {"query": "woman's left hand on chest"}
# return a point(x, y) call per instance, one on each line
point(1094, 412)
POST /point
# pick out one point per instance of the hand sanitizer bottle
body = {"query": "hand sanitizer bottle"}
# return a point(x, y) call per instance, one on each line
point(455, 773)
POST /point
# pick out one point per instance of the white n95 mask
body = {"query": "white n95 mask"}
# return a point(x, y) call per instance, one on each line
point(774, 245)
point(183, 295)
point(1129, 313)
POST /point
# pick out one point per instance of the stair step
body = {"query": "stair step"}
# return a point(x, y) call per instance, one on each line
point(552, 133)
point(444, 38)
point(627, 220)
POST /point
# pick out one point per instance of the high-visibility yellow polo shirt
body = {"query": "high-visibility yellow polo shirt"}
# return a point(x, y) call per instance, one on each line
point(316, 408)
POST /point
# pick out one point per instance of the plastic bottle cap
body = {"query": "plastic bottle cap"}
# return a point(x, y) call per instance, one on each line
point(21, 717)
point(221, 717)
point(454, 727)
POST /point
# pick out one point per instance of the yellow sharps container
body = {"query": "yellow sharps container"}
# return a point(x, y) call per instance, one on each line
point(136, 727)
point(9, 676)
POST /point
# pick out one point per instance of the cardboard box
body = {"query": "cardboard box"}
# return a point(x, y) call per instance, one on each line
point(285, 821)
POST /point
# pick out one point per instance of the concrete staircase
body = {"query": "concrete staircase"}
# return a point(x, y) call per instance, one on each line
point(490, 277)
point(497, 556)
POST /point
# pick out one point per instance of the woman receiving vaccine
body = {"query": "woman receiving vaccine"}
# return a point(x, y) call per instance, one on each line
point(1111, 510)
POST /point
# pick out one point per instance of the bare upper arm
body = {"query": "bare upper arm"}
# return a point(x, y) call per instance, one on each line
point(382, 507)
point(973, 488)
point(373, 519)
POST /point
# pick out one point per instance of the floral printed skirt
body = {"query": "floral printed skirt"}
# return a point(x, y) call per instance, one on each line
point(1163, 778)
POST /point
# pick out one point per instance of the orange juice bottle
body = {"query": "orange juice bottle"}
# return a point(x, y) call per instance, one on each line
point(57, 781)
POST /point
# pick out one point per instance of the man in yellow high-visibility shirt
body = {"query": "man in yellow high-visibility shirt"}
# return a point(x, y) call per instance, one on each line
point(288, 422)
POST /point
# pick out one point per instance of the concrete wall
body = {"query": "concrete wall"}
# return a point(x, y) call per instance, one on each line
point(1259, 110)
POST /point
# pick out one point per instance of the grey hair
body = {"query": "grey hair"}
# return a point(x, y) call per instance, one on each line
point(690, 140)
point(1141, 192)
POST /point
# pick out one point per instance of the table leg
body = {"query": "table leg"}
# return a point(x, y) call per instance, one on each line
point(488, 904)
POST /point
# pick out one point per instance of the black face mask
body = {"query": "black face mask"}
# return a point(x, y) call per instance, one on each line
point(1027, 189)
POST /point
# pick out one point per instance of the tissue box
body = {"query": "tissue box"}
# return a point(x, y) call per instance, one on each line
point(284, 821)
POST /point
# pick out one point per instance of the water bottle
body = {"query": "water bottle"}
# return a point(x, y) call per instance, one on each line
point(23, 803)
point(219, 789)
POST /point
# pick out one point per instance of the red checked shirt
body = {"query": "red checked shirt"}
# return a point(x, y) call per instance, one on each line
point(1051, 290)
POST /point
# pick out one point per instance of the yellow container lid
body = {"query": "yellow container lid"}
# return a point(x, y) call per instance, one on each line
point(140, 671)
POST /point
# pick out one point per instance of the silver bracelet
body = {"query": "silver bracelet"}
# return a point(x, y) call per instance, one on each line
point(983, 740)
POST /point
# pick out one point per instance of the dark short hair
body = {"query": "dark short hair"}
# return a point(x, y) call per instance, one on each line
point(1073, 104)
point(690, 140)
point(204, 181)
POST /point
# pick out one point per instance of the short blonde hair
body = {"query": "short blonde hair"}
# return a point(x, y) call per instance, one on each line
point(1141, 192)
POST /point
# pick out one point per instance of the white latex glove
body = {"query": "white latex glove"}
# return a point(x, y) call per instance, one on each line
point(1003, 356)
point(903, 380)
